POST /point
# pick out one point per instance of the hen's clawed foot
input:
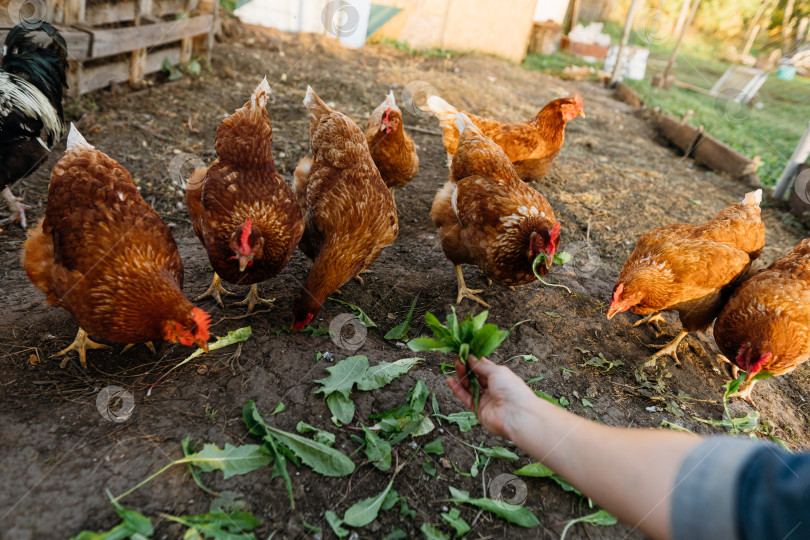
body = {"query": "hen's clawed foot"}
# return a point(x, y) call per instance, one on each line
point(149, 345)
point(464, 292)
point(358, 278)
point(80, 344)
point(215, 290)
point(744, 392)
point(653, 319)
point(17, 209)
point(253, 298)
point(671, 348)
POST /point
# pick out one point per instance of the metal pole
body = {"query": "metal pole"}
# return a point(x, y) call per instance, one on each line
point(799, 156)
point(628, 26)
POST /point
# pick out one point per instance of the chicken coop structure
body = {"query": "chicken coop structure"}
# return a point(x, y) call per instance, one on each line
point(115, 41)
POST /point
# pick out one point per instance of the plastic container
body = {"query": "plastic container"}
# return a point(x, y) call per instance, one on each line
point(786, 72)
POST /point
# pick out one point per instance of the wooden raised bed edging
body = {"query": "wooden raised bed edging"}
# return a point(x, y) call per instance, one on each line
point(114, 42)
point(694, 142)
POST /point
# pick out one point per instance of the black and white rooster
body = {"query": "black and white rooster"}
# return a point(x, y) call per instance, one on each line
point(31, 81)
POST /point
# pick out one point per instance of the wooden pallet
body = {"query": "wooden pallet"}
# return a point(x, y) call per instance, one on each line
point(123, 41)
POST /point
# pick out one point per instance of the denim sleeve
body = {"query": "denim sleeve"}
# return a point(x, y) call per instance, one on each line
point(737, 488)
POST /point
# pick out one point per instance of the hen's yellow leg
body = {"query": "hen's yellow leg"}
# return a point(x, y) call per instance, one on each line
point(253, 298)
point(464, 292)
point(215, 290)
point(80, 344)
point(670, 349)
point(358, 278)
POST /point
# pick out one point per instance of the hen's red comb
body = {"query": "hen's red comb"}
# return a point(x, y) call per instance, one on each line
point(246, 228)
point(617, 294)
point(203, 321)
point(578, 102)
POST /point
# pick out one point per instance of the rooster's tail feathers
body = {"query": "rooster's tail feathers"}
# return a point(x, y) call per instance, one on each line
point(753, 198)
point(75, 141)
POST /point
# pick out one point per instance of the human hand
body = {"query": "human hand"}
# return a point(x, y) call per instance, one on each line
point(504, 398)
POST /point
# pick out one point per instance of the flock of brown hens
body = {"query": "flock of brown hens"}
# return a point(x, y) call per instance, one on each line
point(105, 255)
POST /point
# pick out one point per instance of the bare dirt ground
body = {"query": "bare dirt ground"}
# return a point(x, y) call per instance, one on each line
point(612, 181)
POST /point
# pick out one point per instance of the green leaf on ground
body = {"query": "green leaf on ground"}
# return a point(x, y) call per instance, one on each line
point(343, 376)
point(378, 451)
point(432, 533)
point(218, 525)
point(401, 330)
point(454, 519)
point(336, 523)
point(428, 467)
point(133, 525)
point(359, 313)
point(434, 447)
point(464, 420)
point(365, 511)
point(517, 515)
point(342, 408)
point(320, 435)
point(383, 373)
point(600, 518)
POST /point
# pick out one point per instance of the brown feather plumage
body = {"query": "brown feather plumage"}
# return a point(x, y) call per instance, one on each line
point(692, 269)
point(531, 146)
point(770, 313)
point(105, 255)
point(392, 149)
point(243, 184)
point(487, 216)
point(349, 213)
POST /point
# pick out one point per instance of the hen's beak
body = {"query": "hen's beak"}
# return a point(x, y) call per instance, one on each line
point(202, 344)
point(612, 311)
point(293, 329)
point(582, 113)
point(548, 262)
point(244, 260)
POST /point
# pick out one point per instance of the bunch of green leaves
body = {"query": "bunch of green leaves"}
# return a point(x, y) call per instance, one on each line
point(281, 445)
point(470, 336)
point(559, 258)
point(354, 370)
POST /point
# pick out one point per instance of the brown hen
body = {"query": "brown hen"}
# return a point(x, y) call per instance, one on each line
point(530, 146)
point(242, 210)
point(765, 326)
point(105, 256)
point(488, 217)
point(691, 269)
point(391, 148)
point(349, 213)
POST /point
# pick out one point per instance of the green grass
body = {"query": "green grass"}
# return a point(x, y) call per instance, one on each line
point(771, 132)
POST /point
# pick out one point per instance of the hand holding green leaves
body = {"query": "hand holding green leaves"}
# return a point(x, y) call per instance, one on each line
point(469, 337)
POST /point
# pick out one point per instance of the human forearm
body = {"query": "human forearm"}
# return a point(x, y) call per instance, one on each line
point(630, 473)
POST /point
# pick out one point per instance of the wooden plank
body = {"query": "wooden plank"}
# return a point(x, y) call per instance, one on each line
point(120, 40)
point(78, 42)
point(103, 75)
point(681, 135)
point(125, 11)
point(718, 156)
point(74, 11)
